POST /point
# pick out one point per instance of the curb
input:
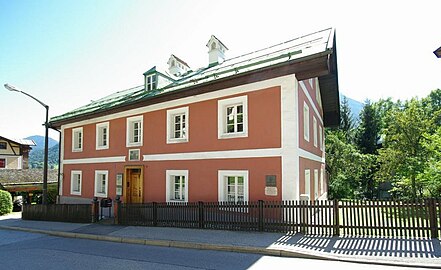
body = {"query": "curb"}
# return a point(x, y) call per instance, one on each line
point(217, 247)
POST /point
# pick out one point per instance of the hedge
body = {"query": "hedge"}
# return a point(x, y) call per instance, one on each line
point(5, 202)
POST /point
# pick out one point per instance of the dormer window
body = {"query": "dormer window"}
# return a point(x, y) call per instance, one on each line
point(150, 82)
point(176, 66)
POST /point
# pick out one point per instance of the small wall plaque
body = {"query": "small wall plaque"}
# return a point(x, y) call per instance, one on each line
point(271, 191)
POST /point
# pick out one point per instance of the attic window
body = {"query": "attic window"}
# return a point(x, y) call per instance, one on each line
point(172, 63)
point(213, 45)
point(150, 82)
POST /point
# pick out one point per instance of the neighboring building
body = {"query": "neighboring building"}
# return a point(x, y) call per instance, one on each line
point(241, 129)
point(14, 153)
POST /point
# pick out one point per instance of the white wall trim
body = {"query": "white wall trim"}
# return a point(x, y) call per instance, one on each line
point(290, 138)
point(310, 156)
point(305, 91)
point(94, 160)
point(184, 101)
point(247, 153)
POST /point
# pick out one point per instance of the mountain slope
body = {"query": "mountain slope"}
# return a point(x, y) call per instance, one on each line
point(39, 141)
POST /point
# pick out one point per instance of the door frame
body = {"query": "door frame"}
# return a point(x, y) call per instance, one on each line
point(127, 170)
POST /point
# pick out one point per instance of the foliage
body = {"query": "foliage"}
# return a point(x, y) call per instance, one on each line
point(404, 156)
point(346, 122)
point(5, 202)
point(396, 144)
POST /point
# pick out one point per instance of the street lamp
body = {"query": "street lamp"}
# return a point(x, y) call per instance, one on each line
point(437, 52)
point(46, 138)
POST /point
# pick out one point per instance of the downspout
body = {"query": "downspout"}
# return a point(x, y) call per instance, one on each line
point(59, 163)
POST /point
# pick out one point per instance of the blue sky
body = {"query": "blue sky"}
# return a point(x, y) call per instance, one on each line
point(67, 53)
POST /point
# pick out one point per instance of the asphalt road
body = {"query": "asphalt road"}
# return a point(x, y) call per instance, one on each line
point(21, 250)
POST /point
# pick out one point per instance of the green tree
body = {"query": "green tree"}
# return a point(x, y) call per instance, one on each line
point(5, 202)
point(346, 121)
point(368, 131)
point(404, 155)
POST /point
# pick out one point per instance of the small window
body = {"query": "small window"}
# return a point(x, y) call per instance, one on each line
point(77, 139)
point(176, 185)
point(173, 63)
point(134, 131)
point(3, 145)
point(102, 136)
point(2, 163)
point(150, 82)
point(306, 122)
point(232, 117)
point(321, 137)
point(314, 130)
point(213, 45)
point(308, 183)
point(75, 182)
point(134, 154)
point(177, 125)
point(233, 186)
point(101, 183)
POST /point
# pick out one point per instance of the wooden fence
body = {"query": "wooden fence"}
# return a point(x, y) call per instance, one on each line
point(348, 218)
point(77, 213)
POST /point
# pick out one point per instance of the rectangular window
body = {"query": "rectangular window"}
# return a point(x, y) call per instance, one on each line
point(101, 183)
point(177, 125)
point(233, 186)
point(2, 163)
point(314, 130)
point(77, 139)
point(316, 178)
point(134, 131)
point(75, 182)
point(306, 122)
point(151, 82)
point(322, 183)
point(321, 137)
point(308, 183)
point(102, 136)
point(232, 117)
point(176, 185)
point(3, 145)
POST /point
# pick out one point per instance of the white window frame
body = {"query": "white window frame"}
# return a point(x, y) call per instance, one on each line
point(152, 85)
point(99, 136)
point(308, 183)
point(222, 117)
point(169, 185)
point(321, 137)
point(222, 183)
point(76, 140)
point(130, 132)
point(316, 178)
point(171, 114)
point(306, 122)
point(97, 190)
point(72, 177)
point(314, 130)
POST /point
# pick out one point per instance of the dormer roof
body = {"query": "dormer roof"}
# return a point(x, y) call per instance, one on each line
point(213, 37)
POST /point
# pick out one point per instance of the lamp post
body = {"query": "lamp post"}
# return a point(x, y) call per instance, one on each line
point(46, 138)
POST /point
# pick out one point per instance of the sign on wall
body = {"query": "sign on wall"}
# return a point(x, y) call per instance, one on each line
point(119, 184)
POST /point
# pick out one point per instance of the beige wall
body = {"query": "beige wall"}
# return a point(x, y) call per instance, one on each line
point(9, 150)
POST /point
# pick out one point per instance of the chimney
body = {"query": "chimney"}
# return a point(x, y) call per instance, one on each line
point(176, 66)
point(216, 51)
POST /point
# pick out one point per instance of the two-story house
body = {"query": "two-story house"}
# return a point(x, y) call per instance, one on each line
point(14, 153)
point(241, 129)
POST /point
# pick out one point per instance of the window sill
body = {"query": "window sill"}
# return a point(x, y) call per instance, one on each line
point(180, 140)
point(232, 135)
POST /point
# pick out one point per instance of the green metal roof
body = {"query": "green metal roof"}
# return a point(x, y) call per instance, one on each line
point(308, 45)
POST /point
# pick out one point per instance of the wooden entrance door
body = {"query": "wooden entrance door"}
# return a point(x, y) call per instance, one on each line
point(134, 185)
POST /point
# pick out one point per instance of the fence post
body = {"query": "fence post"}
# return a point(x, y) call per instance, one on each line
point(155, 214)
point(431, 207)
point(336, 218)
point(201, 214)
point(95, 210)
point(260, 216)
point(117, 210)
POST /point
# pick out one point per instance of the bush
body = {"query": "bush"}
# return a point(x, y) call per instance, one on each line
point(5, 202)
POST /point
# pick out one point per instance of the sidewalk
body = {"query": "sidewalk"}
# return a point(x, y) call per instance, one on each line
point(415, 252)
